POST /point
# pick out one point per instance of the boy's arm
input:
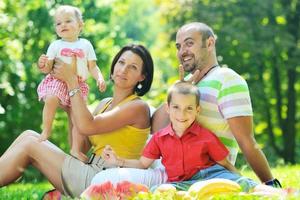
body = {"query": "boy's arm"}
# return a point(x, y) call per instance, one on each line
point(96, 74)
point(112, 159)
point(225, 163)
point(142, 163)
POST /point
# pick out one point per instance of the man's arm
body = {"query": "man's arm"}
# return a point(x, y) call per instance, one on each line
point(225, 163)
point(241, 128)
point(160, 119)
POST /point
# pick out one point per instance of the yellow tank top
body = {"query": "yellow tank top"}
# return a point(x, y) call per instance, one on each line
point(127, 141)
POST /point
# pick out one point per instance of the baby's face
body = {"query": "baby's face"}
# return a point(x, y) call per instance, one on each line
point(182, 111)
point(67, 26)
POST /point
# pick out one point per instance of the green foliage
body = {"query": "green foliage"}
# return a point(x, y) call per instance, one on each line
point(24, 191)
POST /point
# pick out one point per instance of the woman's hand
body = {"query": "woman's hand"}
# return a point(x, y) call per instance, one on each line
point(65, 72)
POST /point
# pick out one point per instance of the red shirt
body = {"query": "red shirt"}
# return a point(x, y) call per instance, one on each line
point(183, 157)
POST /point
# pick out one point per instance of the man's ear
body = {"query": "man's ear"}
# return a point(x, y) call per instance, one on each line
point(210, 43)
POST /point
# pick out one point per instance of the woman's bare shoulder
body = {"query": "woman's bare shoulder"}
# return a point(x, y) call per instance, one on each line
point(137, 107)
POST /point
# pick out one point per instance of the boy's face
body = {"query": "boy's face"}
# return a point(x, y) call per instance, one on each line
point(67, 26)
point(182, 111)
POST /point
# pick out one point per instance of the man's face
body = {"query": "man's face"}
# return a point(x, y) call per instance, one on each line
point(191, 52)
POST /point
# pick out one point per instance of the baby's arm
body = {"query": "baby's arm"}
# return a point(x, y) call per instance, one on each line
point(225, 163)
point(97, 75)
point(112, 159)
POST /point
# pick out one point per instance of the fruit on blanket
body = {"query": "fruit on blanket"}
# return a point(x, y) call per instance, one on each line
point(182, 195)
point(165, 188)
point(52, 195)
point(127, 189)
point(107, 191)
point(209, 188)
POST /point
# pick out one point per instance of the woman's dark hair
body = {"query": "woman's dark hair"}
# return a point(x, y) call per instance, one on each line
point(147, 70)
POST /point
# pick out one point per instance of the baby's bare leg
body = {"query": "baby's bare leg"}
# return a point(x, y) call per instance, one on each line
point(78, 144)
point(51, 104)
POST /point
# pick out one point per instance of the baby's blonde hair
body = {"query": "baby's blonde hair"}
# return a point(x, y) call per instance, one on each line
point(70, 9)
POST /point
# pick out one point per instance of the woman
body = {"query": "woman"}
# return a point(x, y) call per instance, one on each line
point(123, 121)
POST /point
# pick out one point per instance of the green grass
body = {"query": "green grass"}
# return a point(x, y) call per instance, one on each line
point(26, 191)
point(288, 175)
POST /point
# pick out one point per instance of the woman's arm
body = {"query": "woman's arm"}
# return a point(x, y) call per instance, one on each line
point(135, 113)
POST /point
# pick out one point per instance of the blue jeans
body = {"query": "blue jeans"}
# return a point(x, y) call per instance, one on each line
point(215, 171)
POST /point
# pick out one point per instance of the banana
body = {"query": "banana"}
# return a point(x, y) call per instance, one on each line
point(209, 188)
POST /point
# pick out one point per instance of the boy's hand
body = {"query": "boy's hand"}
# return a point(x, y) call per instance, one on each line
point(101, 85)
point(109, 156)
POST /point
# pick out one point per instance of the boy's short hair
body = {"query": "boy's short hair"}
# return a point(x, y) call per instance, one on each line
point(184, 87)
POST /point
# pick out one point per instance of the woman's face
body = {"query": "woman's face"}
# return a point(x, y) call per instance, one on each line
point(128, 70)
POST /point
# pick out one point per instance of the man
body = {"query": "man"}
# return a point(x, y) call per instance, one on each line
point(225, 100)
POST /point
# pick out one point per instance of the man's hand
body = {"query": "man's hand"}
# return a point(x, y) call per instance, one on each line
point(194, 79)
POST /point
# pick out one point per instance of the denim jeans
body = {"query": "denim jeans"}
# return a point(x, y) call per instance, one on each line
point(215, 171)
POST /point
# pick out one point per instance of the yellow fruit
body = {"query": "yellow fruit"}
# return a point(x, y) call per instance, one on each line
point(209, 188)
point(182, 195)
point(165, 188)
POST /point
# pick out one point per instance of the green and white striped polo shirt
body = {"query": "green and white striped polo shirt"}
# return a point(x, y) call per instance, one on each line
point(224, 94)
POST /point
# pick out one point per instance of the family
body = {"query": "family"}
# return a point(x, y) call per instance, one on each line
point(206, 118)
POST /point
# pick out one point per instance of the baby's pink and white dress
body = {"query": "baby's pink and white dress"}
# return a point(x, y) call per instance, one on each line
point(64, 50)
point(51, 86)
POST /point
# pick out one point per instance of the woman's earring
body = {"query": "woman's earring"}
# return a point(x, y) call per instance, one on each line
point(139, 86)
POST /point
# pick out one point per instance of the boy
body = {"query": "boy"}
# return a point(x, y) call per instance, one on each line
point(189, 152)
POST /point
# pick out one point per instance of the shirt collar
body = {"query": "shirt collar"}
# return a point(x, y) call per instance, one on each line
point(195, 129)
